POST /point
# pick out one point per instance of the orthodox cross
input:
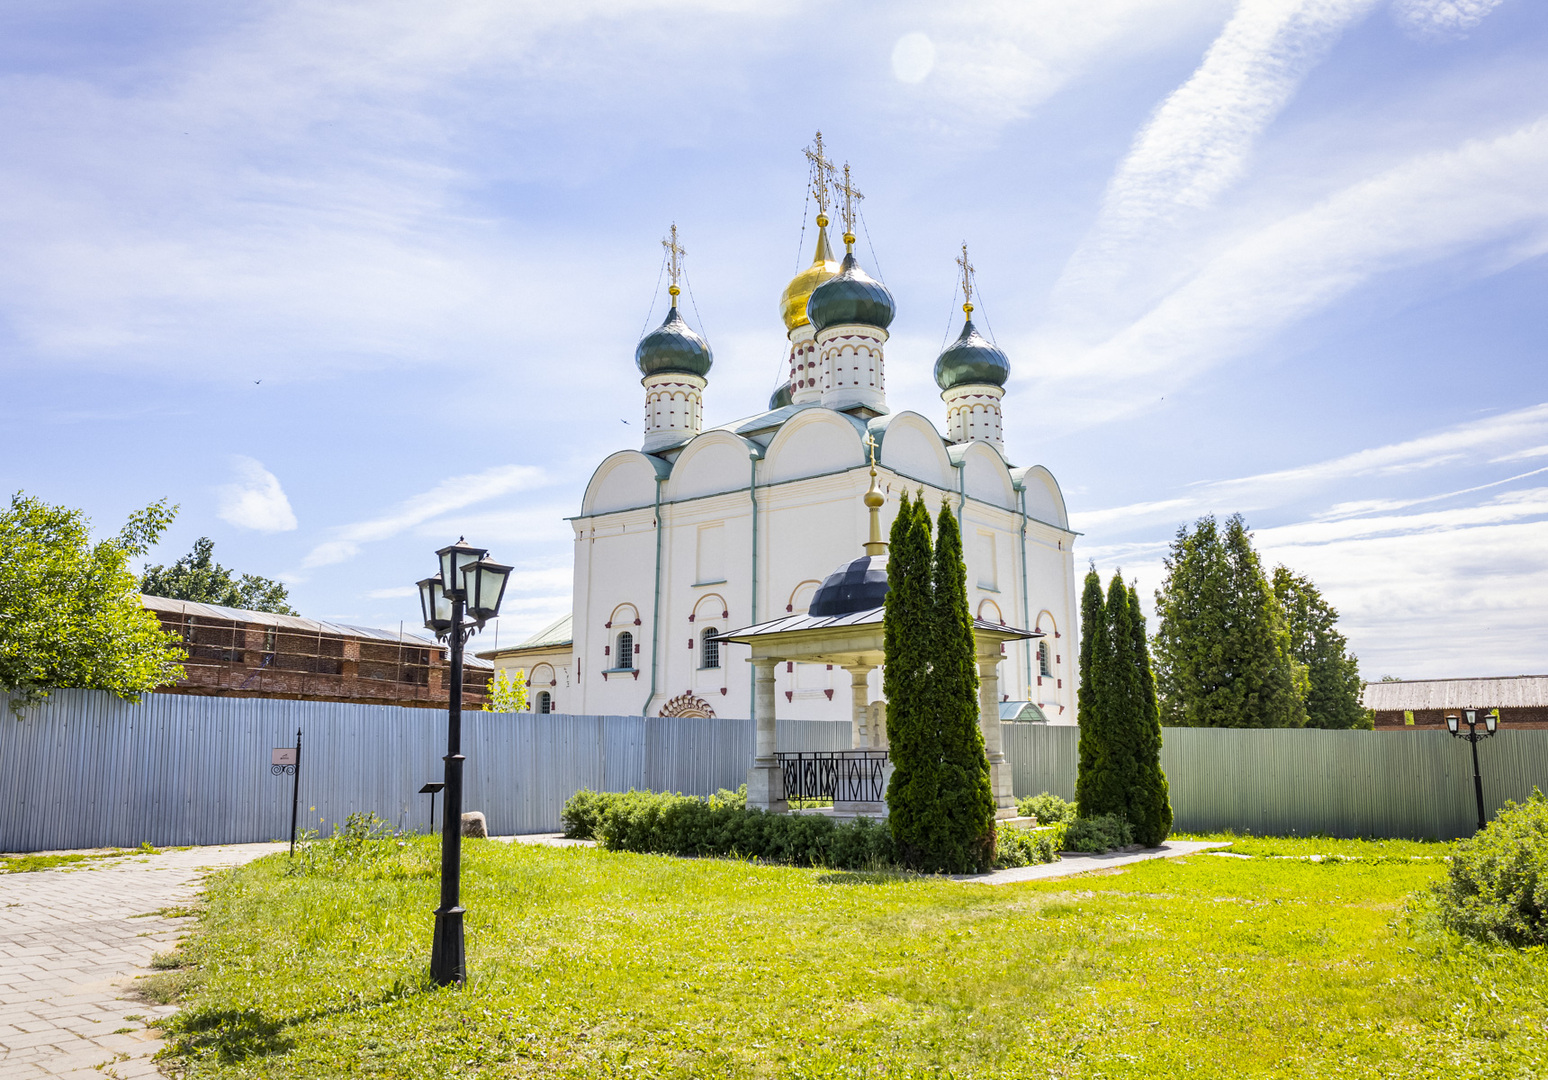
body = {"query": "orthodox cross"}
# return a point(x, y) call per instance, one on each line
point(822, 174)
point(851, 196)
point(967, 280)
point(675, 253)
point(870, 440)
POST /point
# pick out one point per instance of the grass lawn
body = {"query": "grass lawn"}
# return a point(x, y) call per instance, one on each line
point(590, 964)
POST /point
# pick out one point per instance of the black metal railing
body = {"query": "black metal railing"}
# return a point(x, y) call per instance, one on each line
point(840, 775)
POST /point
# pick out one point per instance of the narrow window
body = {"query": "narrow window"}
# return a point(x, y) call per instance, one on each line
point(709, 649)
point(1044, 668)
point(545, 702)
point(625, 659)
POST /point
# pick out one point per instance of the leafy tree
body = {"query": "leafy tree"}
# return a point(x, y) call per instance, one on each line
point(507, 694)
point(70, 610)
point(198, 577)
point(1222, 648)
point(908, 625)
point(965, 814)
point(1332, 673)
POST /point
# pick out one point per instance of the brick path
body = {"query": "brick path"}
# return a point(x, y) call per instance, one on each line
point(70, 949)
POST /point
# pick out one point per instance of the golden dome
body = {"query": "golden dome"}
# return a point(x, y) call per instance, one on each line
point(792, 303)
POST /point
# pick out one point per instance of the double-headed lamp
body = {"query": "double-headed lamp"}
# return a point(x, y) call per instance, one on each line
point(484, 586)
point(436, 605)
point(454, 559)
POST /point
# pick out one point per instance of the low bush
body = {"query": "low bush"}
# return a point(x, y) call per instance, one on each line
point(661, 823)
point(1497, 887)
point(1097, 834)
point(1047, 809)
point(1015, 846)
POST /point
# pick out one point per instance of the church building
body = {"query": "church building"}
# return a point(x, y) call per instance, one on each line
point(702, 530)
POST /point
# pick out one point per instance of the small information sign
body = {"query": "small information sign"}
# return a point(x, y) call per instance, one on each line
point(283, 755)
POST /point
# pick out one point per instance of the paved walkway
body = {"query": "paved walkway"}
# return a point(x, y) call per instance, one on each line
point(70, 948)
point(1070, 864)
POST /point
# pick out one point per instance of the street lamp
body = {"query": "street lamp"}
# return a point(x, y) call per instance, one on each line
point(456, 603)
point(1472, 735)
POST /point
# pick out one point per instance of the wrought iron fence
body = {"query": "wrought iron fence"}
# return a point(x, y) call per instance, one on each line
point(840, 775)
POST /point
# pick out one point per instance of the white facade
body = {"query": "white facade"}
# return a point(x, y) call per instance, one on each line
point(740, 524)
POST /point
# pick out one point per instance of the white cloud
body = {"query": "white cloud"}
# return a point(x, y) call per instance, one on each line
point(448, 496)
point(397, 592)
point(255, 499)
point(1199, 140)
point(1443, 19)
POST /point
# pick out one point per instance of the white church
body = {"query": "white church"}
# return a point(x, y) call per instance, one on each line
point(701, 531)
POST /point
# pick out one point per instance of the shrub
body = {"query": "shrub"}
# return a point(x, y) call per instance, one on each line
point(1047, 809)
point(1497, 886)
point(582, 814)
point(1098, 834)
point(1025, 847)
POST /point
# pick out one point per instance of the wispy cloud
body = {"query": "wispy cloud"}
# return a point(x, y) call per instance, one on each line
point(1441, 19)
point(1200, 139)
point(448, 496)
point(255, 499)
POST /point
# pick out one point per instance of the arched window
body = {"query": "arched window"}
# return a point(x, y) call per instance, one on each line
point(1044, 665)
point(545, 702)
point(709, 649)
point(625, 659)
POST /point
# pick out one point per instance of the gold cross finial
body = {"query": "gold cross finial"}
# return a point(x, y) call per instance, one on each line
point(870, 441)
point(675, 253)
point(851, 196)
point(874, 500)
point(967, 281)
point(822, 176)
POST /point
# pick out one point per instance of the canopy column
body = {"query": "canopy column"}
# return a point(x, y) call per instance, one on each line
point(765, 782)
point(861, 737)
point(989, 723)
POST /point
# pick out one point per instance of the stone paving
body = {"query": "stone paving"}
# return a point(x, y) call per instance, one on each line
point(71, 945)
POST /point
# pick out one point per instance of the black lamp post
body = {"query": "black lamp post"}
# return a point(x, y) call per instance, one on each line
point(1472, 735)
point(456, 603)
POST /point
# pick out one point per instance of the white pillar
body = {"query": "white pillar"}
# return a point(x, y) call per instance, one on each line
point(861, 737)
point(765, 782)
point(674, 408)
point(989, 724)
point(973, 415)
point(853, 370)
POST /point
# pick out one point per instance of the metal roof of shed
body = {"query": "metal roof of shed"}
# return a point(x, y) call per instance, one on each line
point(1500, 692)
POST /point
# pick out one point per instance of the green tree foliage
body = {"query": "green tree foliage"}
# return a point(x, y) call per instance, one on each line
point(70, 610)
point(1120, 759)
point(507, 694)
point(908, 625)
point(1222, 648)
point(964, 838)
point(199, 578)
point(1332, 672)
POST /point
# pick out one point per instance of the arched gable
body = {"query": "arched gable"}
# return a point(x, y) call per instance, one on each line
point(713, 462)
point(624, 481)
point(1046, 623)
point(801, 596)
point(989, 611)
point(988, 479)
point(1045, 501)
point(813, 442)
point(542, 675)
point(910, 446)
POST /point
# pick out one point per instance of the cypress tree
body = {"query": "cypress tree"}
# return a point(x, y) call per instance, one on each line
point(1332, 672)
point(1150, 804)
point(1222, 648)
point(1088, 711)
point(963, 836)
point(908, 633)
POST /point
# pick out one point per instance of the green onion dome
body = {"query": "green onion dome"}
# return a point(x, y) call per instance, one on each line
point(781, 397)
point(850, 296)
point(673, 348)
point(971, 359)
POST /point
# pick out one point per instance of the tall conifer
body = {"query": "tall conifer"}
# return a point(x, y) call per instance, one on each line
point(908, 631)
point(1087, 712)
point(965, 840)
point(1332, 673)
point(1150, 804)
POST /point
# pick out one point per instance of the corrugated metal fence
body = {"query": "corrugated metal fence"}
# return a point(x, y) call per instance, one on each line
point(1338, 783)
point(85, 769)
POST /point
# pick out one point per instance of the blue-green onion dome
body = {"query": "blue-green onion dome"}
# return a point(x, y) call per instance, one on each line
point(673, 347)
point(971, 359)
point(850, 296)
point(781, 397)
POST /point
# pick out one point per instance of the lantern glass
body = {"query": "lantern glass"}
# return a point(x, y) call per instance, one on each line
point(1451, 722)
point(1492, 720)
point(485, 586)
point(435, 604)
point(1472, 718)
point(454, 557)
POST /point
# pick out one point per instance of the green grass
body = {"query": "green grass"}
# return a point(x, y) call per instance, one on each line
point(78, 860)
point(586, 963)
point(1300, 847)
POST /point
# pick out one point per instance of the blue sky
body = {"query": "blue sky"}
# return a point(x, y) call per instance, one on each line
point(347, 280)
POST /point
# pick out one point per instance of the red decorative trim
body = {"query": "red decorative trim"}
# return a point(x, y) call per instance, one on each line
point(1060, 682)
point(789, 666)
point(789, 695)
point(636, 674)
point(690, 643)
point(636, 622)
point(722, 691)
point(829, 692)
point(789, 607)
point(608, 625)
point(690, 618)
point(725, 614)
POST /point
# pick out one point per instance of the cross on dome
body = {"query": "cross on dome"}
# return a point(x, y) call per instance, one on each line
point(967, 280)
point(851, 196)
point(675, 253)
point(822, 176)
